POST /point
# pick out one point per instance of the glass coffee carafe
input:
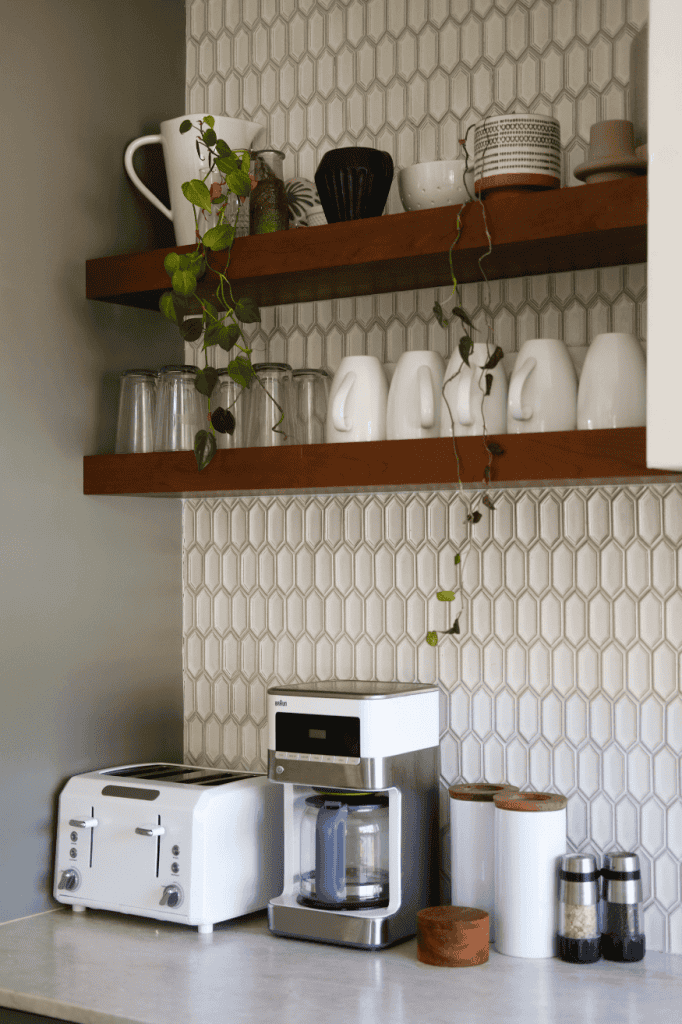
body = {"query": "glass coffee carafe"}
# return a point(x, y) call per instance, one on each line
point(344, 851)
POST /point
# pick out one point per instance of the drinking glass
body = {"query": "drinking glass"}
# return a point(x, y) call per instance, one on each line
point(310, 392)
point(180, 410)
point(267, 399)
point(136, 407)
point(231, 396)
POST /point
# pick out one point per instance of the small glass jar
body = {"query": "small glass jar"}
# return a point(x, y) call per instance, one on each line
point(268, 406)
point(136, 410)
point(622, 933)
point(181, 410)
point(268, 201)
point(578, 927)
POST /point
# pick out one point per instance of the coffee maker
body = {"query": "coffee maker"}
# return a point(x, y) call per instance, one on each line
point(359, 765)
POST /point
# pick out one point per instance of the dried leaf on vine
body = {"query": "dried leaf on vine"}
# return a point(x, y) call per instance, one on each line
point(494, 359)
point(223, 421)
point(454, 628)
point(495, 449)
point(463, 316)
point(488, 503)
point(488, 384)
point(486, 475)
point(474, 517)
point(466, 347)
point(440, 315)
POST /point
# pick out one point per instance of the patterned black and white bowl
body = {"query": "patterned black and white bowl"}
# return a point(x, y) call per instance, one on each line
point(517, 152)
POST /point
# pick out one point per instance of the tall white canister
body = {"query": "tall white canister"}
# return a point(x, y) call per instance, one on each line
point(472, 845)
point(530, 839)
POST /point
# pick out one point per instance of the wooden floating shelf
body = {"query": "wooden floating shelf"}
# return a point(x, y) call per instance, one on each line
point(570, 457)
point(533, 233)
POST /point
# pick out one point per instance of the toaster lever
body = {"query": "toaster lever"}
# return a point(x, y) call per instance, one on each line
point(83, 822)
point(172, 896)
point(155, 830)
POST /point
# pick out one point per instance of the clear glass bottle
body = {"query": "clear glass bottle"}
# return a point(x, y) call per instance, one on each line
point(578, 926)
point(268, 201)
point(622, 933)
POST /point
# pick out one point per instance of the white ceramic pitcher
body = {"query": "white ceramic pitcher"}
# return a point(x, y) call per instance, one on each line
point(413, 408)
point(183, 163)
point(357, 402)
point(543, 389)
point(466, 397)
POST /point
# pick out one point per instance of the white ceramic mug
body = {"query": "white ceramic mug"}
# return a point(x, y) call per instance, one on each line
point(413, 408)
point(183, 163)
point(464, 393)
point(543, 389)
point(357, 401)
point(612, 389)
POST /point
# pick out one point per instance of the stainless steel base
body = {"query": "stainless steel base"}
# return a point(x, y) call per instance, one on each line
point(340, 929)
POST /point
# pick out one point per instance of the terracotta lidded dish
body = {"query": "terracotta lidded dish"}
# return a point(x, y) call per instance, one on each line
point(611, 153)
point(530, 801)
point(479, 792)
point(453, 936)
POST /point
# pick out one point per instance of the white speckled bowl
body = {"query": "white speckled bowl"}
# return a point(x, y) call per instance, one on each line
point(438, 183)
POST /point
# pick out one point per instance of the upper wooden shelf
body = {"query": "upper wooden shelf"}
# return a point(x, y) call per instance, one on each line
point(536, 233)
point(578, 457)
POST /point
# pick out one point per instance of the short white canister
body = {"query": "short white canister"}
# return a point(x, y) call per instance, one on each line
point(472, 845)
point(530, 839)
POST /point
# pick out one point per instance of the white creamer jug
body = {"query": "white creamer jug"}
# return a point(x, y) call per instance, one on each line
point(414, 397)
point(357, 402)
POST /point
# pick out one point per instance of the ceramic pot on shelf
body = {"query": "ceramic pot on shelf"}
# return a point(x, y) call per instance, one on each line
point(353, 182)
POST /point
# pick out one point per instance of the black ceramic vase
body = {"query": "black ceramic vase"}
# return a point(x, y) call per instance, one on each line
point(354, 182)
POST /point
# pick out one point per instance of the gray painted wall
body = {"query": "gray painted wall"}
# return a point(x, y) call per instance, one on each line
point(90, 603)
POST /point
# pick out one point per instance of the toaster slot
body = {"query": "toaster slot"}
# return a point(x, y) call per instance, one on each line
point(92, 835)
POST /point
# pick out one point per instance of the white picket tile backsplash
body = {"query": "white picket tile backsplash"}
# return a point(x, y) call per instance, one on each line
point(567, 673)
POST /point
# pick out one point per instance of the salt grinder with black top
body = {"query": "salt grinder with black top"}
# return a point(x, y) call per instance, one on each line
point(622, 936)
point(578, 930)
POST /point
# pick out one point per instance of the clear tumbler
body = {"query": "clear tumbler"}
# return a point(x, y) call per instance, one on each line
point(136, 408)
point(180, 410)
point(231, 396)
point(310, 392)
point(269, 398)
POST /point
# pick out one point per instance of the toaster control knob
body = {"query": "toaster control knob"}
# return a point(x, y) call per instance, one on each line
point(70, 880)
point(172, 896)
point(83, 822)
point(155, 830)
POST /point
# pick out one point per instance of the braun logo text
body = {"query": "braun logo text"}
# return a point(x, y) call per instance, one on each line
point(280, 703)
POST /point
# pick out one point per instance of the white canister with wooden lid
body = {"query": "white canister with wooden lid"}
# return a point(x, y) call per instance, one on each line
point(530, 839)
point(472, 845)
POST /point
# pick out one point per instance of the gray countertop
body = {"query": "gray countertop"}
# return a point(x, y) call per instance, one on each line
point(104, 968)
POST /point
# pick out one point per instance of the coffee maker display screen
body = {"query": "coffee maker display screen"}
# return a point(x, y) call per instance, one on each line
point(335, 735)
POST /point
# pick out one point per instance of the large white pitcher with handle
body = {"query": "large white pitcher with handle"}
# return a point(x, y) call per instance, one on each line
point(184, 163)
point(356, 410)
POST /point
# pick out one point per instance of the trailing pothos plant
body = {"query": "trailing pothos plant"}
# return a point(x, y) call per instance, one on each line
point(201, 301)
point(455, 314)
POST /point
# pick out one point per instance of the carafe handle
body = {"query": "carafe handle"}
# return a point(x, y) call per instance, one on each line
point(145, 140)
point(330, 852)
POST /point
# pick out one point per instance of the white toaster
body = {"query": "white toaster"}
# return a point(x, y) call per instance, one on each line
point(170, 841)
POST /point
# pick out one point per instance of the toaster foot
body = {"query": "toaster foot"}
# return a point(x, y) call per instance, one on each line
point(205, 929)
point(78, 908)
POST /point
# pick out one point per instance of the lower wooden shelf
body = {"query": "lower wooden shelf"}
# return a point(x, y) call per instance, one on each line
point(570, 457)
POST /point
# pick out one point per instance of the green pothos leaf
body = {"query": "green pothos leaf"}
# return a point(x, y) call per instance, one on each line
point(206, 380)
point(432, 638)
point(204, 448)
point(445, 595)
point(247, 311)
point(197, 193)
point(239, 183)
point(458, 558)
point(219, 238)
point(184, 282)
point(185, 127)
point(171, 263)
point(223, 421)
point(242, 372)
point(191, 329)
point(209, 120)
point(167, 307)
point(440, 315)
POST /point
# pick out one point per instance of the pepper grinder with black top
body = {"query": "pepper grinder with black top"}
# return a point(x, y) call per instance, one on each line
point(622, 936)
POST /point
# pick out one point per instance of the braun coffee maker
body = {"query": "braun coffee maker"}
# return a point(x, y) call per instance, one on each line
point(359, 765)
